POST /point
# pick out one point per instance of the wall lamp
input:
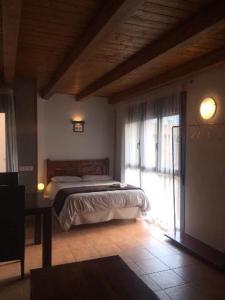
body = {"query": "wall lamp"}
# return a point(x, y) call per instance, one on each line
point(40, 187)
point(78, 126)
point(208, 108)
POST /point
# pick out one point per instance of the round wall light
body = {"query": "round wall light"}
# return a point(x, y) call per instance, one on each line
point(40, 187)
point(208, 108)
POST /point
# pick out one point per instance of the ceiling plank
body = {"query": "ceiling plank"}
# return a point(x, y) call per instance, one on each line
point(11, 15)
point(111, 15)
point(199, 23)
point(180, 72)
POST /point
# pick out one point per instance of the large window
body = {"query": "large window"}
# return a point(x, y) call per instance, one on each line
point(2, 143)
point(149, 161)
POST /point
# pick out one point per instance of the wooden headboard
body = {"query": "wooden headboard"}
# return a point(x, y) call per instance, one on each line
point(77, 167)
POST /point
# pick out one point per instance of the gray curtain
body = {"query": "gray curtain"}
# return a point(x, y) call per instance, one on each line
point(7, 106)
point(148, 153)
point(142, 122)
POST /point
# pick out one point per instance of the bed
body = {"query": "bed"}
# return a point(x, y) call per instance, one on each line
point(83, 192)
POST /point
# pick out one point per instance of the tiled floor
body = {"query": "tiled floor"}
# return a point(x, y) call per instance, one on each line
point(169, 272)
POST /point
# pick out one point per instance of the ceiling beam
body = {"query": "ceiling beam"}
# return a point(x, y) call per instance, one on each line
point(11, 15)
point(180, 72)
point(111, 15)
point(200, 22)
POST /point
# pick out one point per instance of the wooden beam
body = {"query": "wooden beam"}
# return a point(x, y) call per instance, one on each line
point(11, 13)
point(182, 71)
point(202, 21)
point(112, 14)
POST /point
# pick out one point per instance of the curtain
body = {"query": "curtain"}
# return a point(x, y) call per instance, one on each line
point(149, 153)
point(134, 121)
point(7, 107)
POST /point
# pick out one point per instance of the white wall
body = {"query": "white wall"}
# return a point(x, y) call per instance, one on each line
point(56, 139)
point(205, 162)
point(205, 165)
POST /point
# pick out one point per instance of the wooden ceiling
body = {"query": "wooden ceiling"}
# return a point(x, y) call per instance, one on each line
point(111, 48)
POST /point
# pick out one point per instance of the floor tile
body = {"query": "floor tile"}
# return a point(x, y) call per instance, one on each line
point(166, 279)
point(211, 289)
point(178, 260)
point(185, 292)
point(15, 290)
point(162, 295)
point(138, 253)
point(9, 271)
point(198, 272)
point(141, 245)
point(152, 265)
point(150, 242)
point(63, 256)
point(150, 283)
point(133, 266)
point(162, 250)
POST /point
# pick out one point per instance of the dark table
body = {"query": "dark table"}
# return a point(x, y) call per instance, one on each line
point(107, 278)
point(41, 209)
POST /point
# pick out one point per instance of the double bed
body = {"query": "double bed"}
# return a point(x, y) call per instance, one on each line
point(83, 192)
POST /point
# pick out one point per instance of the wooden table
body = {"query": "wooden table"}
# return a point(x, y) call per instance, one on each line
point(107, 278)
point(41, 208)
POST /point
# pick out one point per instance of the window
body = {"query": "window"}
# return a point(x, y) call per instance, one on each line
point(165, 155)
point(2, 143)
point(149, 163)
point(132, 159)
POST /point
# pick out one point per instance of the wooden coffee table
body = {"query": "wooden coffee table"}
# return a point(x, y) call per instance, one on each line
point(107, 278)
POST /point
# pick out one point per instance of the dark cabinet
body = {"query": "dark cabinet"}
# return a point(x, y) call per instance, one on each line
point(12, 223)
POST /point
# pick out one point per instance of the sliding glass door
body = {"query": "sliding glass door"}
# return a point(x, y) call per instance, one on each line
point(149, 149)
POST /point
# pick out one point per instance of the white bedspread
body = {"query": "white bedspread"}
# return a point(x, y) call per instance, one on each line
point(95, 201)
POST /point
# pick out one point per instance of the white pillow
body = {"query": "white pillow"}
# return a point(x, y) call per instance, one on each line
point(66, 179)
point(96, 177)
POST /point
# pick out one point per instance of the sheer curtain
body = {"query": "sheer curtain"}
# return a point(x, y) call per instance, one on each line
point(8, 108)
point(148, 154)
point(133, 128)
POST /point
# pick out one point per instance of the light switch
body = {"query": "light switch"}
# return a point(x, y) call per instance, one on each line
point(26, 168)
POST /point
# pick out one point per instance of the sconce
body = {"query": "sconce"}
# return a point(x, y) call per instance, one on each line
point(208, 108)
point(78, 126)
point(40, 187)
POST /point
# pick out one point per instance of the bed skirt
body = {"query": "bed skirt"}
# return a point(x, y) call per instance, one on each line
point(105, 215)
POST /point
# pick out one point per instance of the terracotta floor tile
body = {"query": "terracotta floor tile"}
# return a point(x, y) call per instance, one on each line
point(63, 256)
point(9, 271)
point(150, 283)
point(185, 292)
point(138, 253)
point(178, 260)
point(166, 279)
point(15, 290)
point(162, 295)
point(133, 266)
point(198, 272)
point(80, 254)
point(163, 250)
point(33, 258)
point(152, 265)
point(198, 291)
point(150, 242)
point(212, 289)
point(142, 246)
